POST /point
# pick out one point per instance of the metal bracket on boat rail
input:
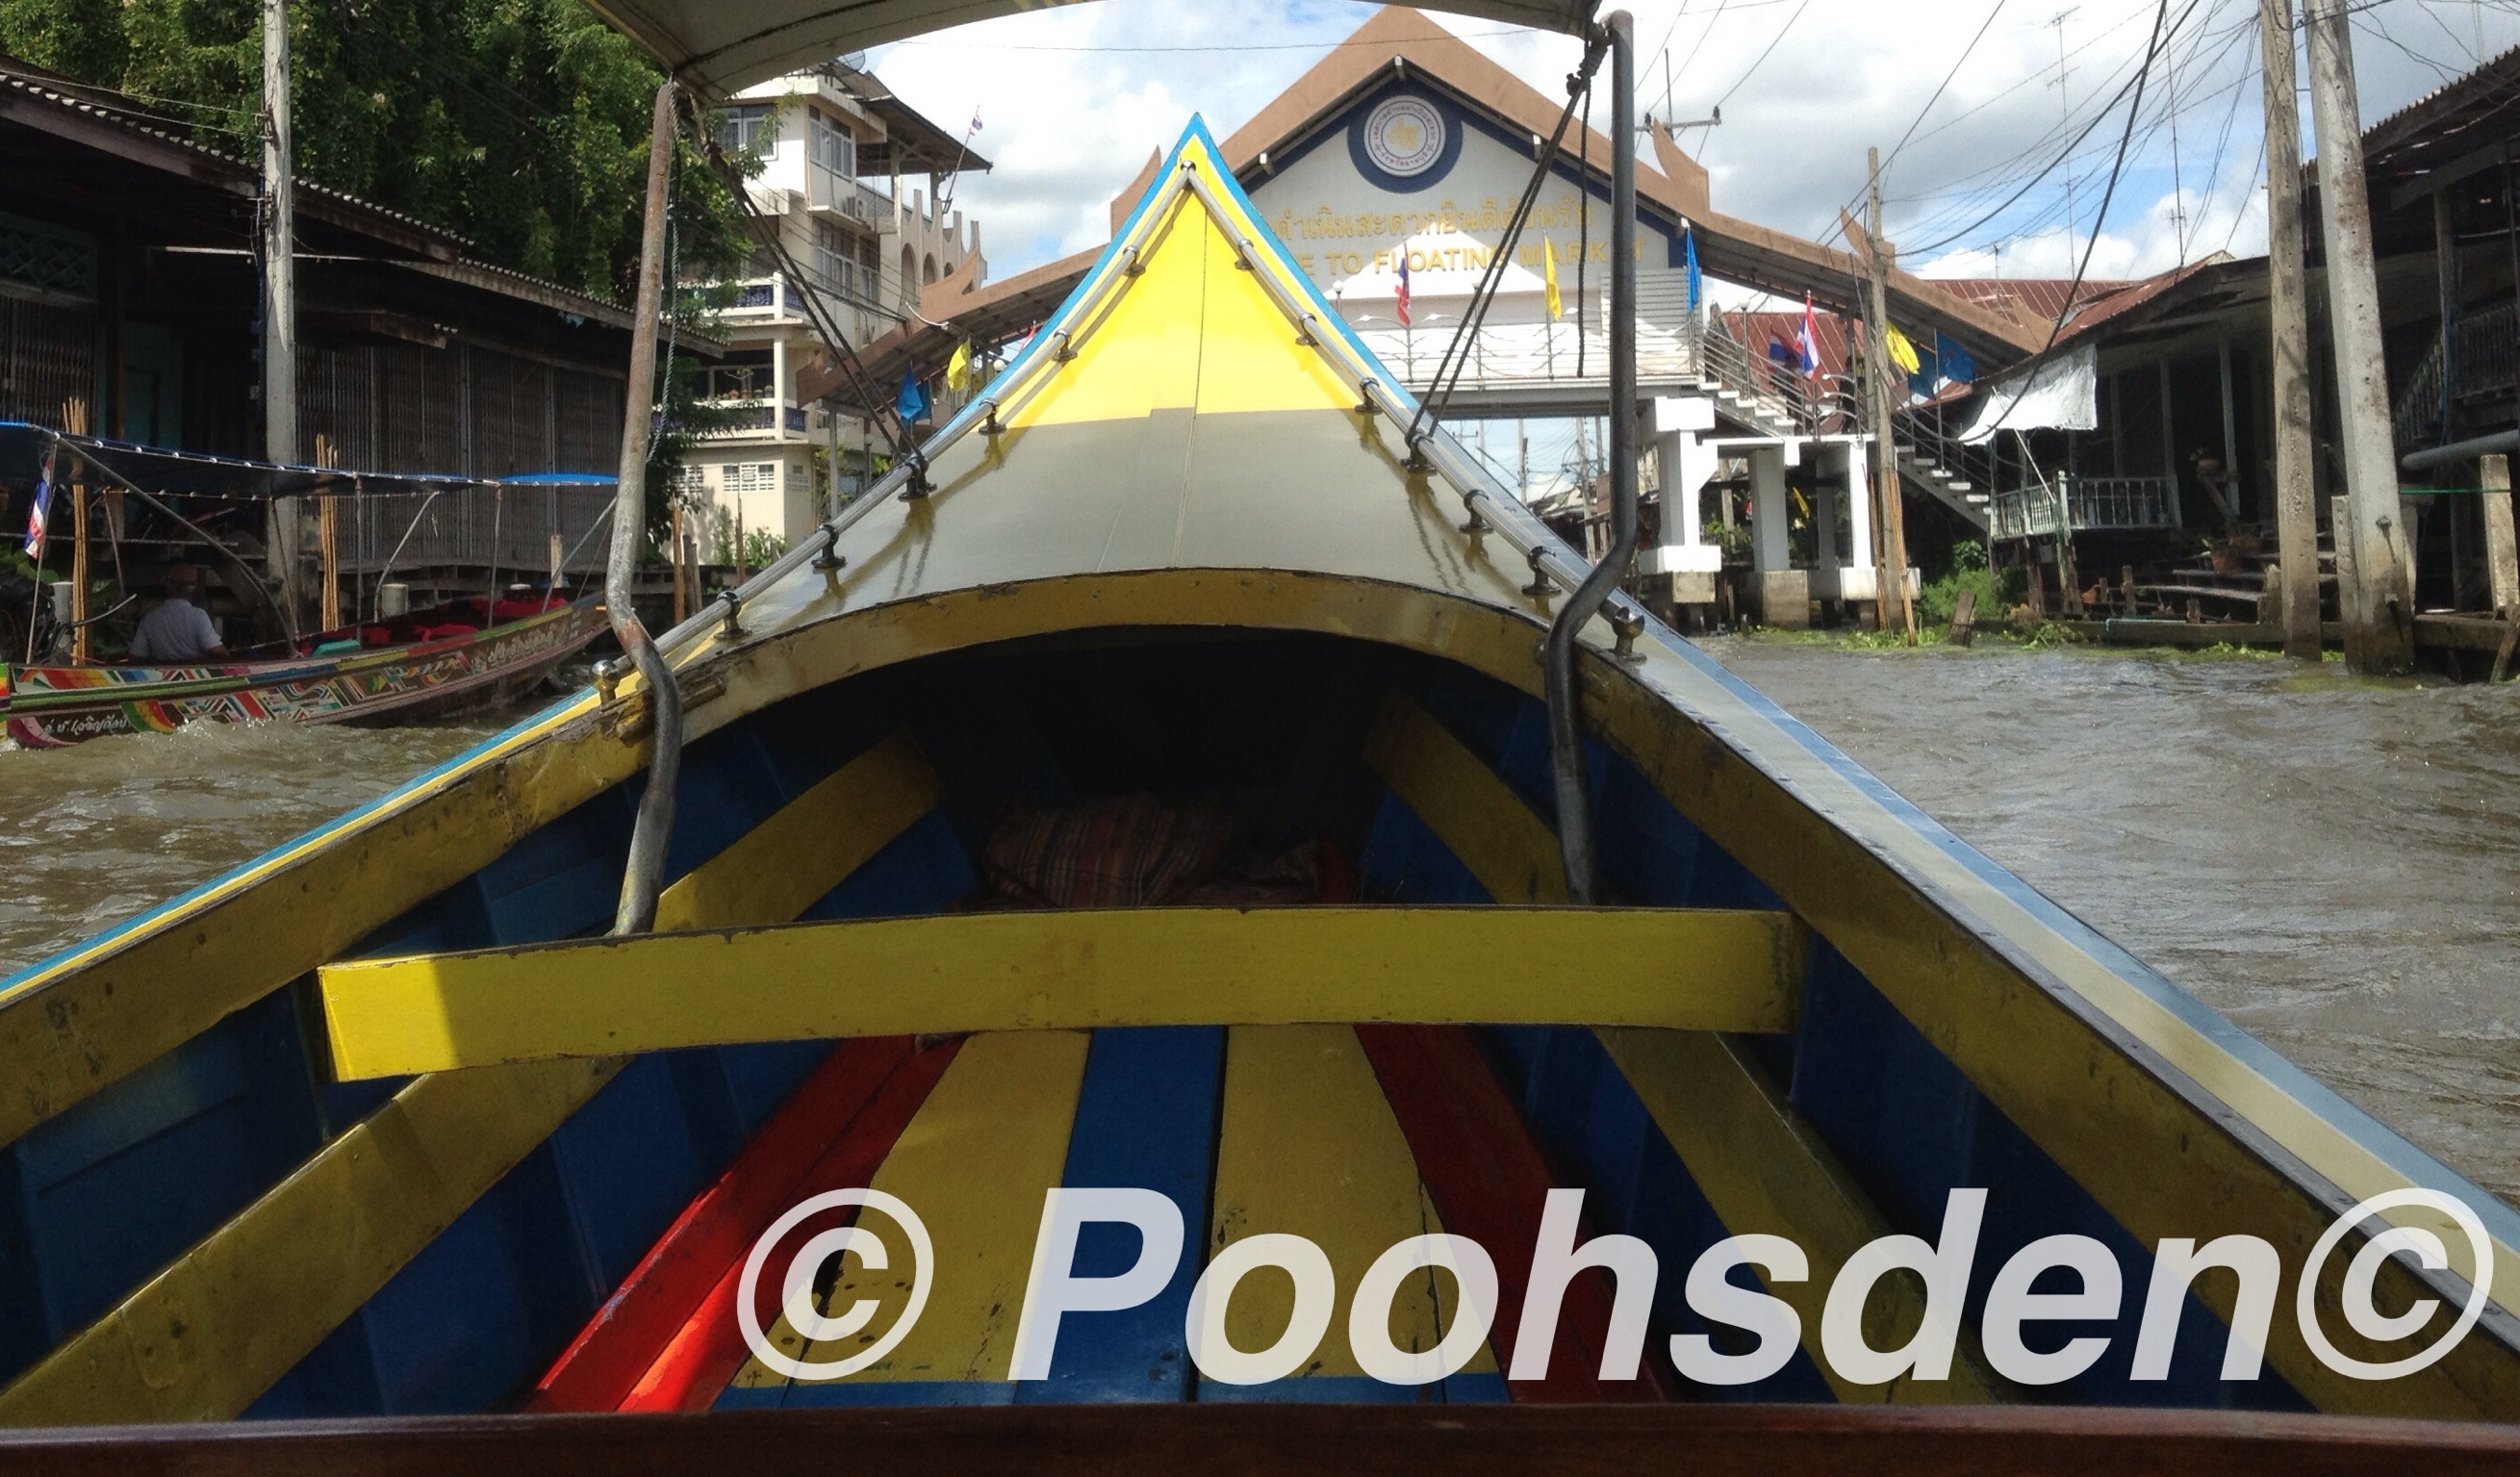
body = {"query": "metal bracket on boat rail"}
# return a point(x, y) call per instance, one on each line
point(734, 603)
point(1629, 626)
point(1539, 586)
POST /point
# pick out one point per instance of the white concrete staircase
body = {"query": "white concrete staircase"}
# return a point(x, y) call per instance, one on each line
point(1950, 485)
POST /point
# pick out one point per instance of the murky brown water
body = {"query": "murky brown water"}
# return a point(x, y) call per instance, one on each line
point(93, 833)
point(2333, 865)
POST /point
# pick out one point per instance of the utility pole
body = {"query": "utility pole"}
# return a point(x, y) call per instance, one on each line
point(2288, 306)
point(2372, 584)
point(279, 305)
point(1891, 547)
point(2065, 110)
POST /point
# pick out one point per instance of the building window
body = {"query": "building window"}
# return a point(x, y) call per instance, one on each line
point(746, 126)
point(754, 479)
point(833, 147)
point(835, 259)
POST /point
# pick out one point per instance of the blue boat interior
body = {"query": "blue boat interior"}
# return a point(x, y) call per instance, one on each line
point(96, 1200)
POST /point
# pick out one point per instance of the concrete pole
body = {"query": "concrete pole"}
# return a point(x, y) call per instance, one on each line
point(2377, 604)
point(2446, 283)
point(279, 306)
point(1893, 552)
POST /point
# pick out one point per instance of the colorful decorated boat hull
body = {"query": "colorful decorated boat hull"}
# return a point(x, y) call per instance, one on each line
point(1131, 858)
point(47, 707)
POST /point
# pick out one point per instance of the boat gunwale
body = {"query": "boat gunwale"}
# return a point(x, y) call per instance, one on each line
point(219, 679)
point(2165, 1034)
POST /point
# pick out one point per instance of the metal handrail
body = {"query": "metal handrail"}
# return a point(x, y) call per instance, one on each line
point(1565, 717)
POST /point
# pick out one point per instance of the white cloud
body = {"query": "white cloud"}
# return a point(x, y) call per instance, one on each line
point(1073, 99)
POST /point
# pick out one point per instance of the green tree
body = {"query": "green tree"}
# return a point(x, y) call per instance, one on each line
point(521, 125)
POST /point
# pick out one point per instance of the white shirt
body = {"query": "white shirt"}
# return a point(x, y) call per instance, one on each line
point(176, 631)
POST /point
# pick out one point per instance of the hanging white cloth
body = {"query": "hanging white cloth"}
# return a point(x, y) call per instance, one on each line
point(2062, 394)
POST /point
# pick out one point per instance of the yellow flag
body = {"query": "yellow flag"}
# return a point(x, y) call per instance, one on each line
point(1549, 256)
point(1903, 353)
point(958, 369)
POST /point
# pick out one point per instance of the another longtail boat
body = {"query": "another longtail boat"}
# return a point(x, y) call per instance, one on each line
point(1127, 848)
point(379, 665)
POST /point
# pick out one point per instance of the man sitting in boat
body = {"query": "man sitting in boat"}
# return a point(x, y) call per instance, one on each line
point(178, 629)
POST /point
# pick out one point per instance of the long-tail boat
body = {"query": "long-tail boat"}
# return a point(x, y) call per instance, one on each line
point(1115, 995)
point(376, 665)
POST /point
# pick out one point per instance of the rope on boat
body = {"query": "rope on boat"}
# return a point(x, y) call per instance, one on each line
point(1455, 356)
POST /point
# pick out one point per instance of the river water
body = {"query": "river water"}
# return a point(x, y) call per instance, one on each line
point(2330, 864)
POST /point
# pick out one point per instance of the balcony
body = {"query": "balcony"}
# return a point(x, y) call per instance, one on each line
point(2077, 505)
point(1670, 341)
point(829, 194)
point(839, 284)
point(745, 398)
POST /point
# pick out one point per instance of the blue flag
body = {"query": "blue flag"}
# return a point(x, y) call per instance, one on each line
point(1696, 283)
point(911, 402)
point(1955, 365)
point(39, 519)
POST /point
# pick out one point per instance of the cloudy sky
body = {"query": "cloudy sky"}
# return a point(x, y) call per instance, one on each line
point(1961, 96)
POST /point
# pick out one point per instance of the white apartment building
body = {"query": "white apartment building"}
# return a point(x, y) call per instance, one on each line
point(853, 177)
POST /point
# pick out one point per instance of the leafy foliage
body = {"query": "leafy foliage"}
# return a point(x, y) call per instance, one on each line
point(1938, 598)
point(521, 125)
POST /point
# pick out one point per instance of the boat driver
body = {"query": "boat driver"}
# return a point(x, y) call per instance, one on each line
point(178, 629)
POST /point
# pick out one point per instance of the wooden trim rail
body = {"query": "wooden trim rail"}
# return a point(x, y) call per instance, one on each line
point(1231, 1440)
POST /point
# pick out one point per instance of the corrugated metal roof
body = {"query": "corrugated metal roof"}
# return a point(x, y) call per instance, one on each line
point(113, 108)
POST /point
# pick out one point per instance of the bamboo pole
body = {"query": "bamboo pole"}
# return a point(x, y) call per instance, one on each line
point(328, 538)
point(1891, 556)
point(681, 594)
point(75, 420)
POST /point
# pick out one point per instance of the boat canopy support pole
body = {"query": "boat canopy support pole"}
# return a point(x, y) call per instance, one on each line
point(1565, 718)
point(643, 874)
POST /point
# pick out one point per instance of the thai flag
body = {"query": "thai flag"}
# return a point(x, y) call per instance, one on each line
point(976, 120)
point(1807, 341)
point(39, 520)
point(1404, 287)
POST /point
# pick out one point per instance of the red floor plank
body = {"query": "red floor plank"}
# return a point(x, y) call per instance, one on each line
point(1490, 1182)
point(606, 1359)
point(694, 1364)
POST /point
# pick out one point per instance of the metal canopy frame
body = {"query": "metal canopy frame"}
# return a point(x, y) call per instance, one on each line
point(718, 47)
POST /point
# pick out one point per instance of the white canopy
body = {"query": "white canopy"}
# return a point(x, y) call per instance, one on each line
point(720, 46)
point(2062, 394)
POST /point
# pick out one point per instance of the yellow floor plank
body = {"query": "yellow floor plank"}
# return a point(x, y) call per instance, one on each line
point(973, 1163)
point(1307, 1145)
